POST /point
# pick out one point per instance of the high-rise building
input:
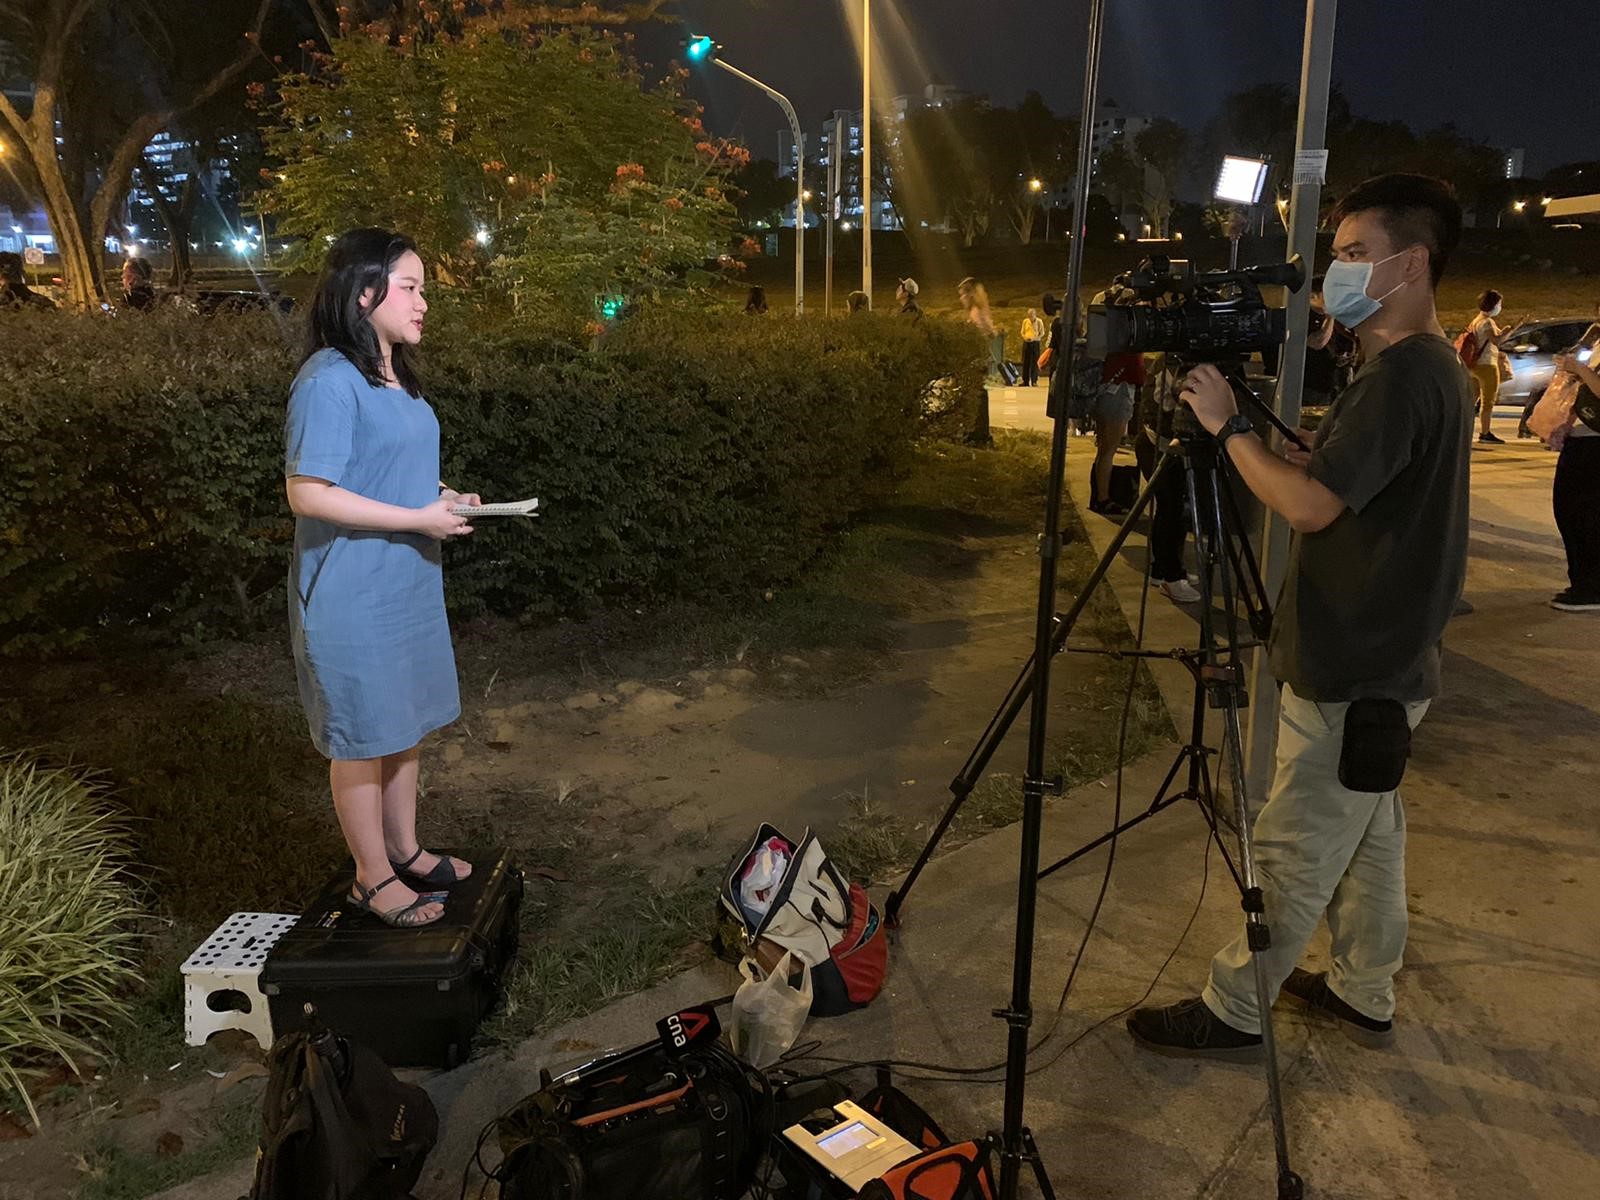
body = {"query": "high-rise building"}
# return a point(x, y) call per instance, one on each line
point(1514, 162)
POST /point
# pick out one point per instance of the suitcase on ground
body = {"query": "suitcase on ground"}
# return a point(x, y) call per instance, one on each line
point(416, 996)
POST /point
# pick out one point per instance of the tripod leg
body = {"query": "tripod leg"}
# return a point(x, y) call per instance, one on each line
point(1021, 690)
point(1257, 933)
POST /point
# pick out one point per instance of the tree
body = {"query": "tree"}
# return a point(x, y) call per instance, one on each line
point(401, 21)
point(1121, 174)
point(505, 184)
point(1162, 145)
point(105, 80)
point(1023, 144)
point(760, 194)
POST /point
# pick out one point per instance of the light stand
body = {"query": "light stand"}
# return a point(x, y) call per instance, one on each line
point(1016, 1140)
point(1240, 180)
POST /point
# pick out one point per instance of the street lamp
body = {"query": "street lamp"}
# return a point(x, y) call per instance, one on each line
point(866, 149)
point(1519, 205)
point(702, 49)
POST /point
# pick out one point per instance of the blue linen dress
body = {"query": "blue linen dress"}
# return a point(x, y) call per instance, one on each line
point(366, 608)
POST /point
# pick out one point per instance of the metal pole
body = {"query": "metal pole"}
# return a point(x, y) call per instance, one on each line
point(799, 180)
point(799, 220)
point(1316, 72)
point(834, 182)
point(866, 149)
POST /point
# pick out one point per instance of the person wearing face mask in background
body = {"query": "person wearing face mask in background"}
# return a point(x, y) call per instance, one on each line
point(1379, 510)
point(1488, 370)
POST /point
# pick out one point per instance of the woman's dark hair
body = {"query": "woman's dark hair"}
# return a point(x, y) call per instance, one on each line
point(1488, 300)
point(358, 260)
point(140, 268)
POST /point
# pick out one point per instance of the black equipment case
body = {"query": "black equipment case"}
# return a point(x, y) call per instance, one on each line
point(415, 996)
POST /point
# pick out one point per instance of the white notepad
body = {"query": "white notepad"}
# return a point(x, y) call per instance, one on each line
point(514, 508)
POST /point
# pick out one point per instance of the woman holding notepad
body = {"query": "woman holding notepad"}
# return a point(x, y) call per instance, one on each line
point(371, 642)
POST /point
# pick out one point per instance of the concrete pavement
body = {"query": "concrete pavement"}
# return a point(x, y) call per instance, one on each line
point(1490, 1091)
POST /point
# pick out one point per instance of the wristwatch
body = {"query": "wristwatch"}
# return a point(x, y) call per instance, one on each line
point(1238, 423)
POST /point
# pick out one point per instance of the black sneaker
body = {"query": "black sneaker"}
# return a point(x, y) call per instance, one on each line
point(1188, 1029)
point(1491, 439)
point(1313, 991)
point(1572, 600)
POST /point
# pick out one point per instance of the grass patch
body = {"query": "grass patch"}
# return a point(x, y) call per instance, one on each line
point(116, 1173)
point(633, 937)
point(894, 559)
point(112, 1172)
point(868, 842)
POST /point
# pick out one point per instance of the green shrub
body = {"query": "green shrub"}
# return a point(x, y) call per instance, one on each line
point(691, 453)
point(66, 919)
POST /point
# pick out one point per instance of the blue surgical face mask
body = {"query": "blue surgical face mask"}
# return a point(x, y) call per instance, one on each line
point(1344, 290)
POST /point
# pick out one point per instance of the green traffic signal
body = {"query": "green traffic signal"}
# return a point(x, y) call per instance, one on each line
point(701, 48)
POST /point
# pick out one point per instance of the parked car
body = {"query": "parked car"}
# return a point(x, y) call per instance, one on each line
point(1531, 349)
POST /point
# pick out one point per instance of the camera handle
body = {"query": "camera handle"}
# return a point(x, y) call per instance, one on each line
point(1234, 374)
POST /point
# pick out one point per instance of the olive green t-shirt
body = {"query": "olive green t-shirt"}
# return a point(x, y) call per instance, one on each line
point(1366, 600)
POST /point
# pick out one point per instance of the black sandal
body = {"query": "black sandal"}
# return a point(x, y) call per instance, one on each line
point(442, 875)
point(409, 917)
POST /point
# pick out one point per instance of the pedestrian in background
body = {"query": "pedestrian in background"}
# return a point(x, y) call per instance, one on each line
point(1169, 523)
point(856, 302)
point(974, 300)
point(1575, 495)
point(1589, 341)
point(14, 290)
point(756, 302)
point(138, 288)
point(1488, 367)
point(1032, 334)
point(906, 293)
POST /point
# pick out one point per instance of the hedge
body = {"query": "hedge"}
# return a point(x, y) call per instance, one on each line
point(688, 454)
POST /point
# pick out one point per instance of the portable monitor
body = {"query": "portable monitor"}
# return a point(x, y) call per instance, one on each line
point(859, 1149)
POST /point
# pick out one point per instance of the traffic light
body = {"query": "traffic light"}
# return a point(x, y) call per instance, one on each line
point(701, 48)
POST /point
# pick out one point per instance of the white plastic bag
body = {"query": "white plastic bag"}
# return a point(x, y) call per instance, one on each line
point(762, 875)
point(769, 1011)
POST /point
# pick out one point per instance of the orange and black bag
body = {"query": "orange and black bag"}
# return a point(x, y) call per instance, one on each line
point(955, 1172)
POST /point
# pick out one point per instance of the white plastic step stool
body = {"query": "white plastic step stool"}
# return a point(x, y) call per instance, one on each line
point(225, 971)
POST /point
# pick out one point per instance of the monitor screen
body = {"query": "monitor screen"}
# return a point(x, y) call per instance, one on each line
point(845, 1139)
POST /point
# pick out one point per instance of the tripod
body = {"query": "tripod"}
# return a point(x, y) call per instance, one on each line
point(1225, 555)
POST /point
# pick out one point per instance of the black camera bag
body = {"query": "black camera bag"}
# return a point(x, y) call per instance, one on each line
point(645, 1124)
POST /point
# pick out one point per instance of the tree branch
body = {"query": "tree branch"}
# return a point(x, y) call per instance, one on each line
point(327, 26)
point(57, 37)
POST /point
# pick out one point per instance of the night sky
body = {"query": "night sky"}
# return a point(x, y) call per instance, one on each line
point(1524, 73)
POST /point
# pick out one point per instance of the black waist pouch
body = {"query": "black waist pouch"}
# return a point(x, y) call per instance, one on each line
point(1377, 742)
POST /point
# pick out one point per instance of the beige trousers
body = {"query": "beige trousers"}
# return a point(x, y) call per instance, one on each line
point(1322, 850)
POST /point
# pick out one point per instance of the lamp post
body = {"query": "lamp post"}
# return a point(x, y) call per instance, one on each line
point(1035, 186)
point(703, 49)
point(866, 149)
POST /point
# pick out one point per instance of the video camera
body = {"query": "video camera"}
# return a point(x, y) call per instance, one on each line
point(1163, 305)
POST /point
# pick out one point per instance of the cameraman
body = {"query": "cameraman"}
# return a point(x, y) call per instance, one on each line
point(1379, 509)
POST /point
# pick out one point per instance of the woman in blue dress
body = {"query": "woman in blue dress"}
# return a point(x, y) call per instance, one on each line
point(366, 592)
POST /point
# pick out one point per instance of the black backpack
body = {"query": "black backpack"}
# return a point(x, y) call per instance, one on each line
point(337, 1124)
